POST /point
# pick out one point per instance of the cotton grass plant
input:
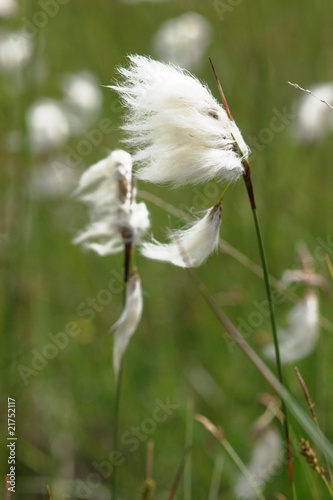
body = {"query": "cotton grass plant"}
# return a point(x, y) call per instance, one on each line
point(117, 224)
point(178, 135)
point(181, 135)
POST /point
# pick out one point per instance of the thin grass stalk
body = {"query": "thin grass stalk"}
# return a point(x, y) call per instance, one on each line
point(305, 422)
point(127, 265)
point(216, 477)
point(48, 492)
point(116, 430)
point(178, 477)
point(250, 191)
point(311, 458)
point(328, 485)
point(218, 435)
point(147, 492)
point(311, 405)
point(275, 339)
point(128, 257)
point(241, 466)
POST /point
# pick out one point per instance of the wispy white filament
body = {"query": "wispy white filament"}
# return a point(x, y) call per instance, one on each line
point(128, 321)
point(115, 217)
point(300, 338)
point(179, 131)
point(265, 461)
point(189, 247)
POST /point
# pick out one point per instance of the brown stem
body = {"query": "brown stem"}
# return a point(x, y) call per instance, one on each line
point(251, 355)
point(306, 394)
point(178, 476)
point(149, 459)
point(219, 86)
point(127, 261)
point(248, 183)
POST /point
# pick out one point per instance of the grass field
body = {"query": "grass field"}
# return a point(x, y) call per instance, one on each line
point(178, 363)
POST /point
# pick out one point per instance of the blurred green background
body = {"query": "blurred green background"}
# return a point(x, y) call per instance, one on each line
point(65, 406)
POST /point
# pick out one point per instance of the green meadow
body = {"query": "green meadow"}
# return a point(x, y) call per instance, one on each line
point(58, 302)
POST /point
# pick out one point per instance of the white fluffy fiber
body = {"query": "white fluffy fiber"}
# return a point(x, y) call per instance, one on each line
point(98, 184)
point(189, 247)
point(179, 131)
point(113, 213)
point(301, 336)
point(128, 321)
point(314, 118)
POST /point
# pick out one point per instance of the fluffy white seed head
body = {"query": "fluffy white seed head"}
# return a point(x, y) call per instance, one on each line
point(191, 246)
point(47, 124)
point(179, 131)
point(15, 50)
point(314, 119)
point(106, 169)
point(115, 217)
point(8, 8)
point(83, 99)
point(128, 321)
point(300, 338)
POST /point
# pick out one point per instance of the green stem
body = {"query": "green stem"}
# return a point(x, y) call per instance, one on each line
point(116, 431)
point(269, 296)
point(249, 187)
point(128, 250)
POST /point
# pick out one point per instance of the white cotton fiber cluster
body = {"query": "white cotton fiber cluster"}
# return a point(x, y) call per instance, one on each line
point(179, 132)
point(191, 246)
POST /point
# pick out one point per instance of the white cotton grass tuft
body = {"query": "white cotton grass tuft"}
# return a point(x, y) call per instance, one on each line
point(314, 118)
point(8, 8)
point(128, 321)
point(180, 133)
point(98, 185)
point(15, 50)
point(191, 246)
point(300, 338)
point(82, 98)
point(115, 217)
point(183, 40)
point(266, 460)
point(47, 124)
